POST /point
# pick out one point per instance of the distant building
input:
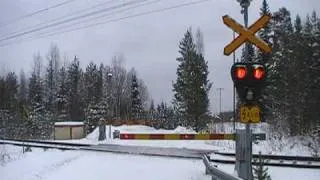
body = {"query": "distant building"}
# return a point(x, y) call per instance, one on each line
point(69, 130)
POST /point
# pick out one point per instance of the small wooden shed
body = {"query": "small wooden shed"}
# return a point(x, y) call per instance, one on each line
point(69, 130)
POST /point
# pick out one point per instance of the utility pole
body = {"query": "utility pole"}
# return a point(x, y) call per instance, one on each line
point(248, 78)
point(109, 99)
point(220, 89)
point(245, 167)
point(234, 91)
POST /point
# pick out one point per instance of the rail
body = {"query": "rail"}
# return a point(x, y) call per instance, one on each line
point(216, 173)
point(45, 142)
point(272, 160)
point(111, 148)
point(276, 157)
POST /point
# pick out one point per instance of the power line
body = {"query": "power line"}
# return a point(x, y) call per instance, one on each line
point(67, 20)
point(105, 15)
point(115, 20)
point(131, 16)
point(61, 17)
point(35, 13)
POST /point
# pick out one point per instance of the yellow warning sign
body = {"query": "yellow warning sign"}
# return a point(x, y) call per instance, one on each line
point(250, 114)
point(246, 34)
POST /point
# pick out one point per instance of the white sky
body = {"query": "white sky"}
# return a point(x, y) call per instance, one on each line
point(149, 43)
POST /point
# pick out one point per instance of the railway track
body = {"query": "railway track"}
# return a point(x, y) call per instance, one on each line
point(216, 157)
point(43, 144)
point(272, 160)
point(276, 157)
point(47, 142)
point(112, 148)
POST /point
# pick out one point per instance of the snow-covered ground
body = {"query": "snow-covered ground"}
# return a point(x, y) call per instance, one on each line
point(78, 165)
point(293, 146)
point(82, 165)
point(282, 173)
point(285, 146)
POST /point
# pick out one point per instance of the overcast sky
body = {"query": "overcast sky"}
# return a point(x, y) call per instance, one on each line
point(149, 43)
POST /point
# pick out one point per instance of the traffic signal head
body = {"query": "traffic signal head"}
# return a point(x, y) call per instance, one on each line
point(258, 72)
point(240, 72)
point(248, 79)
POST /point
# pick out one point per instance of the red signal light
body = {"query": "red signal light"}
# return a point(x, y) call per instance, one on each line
point(258, 73)
point(240, 72)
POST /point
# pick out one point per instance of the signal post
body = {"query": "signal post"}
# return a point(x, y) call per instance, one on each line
point(249, 80)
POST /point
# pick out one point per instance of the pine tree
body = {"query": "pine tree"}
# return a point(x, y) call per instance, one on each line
point(9, 105)
point(265, 35)
point(22, 96)
point(152, 110)
point(265, 102)
point(12, 92)
point(192, 86)
point(311, 34)
point(74, 76)
point(53, 58)
point(259, 170)
point(278, 74)
point(161, 115)
point(61, 100)
point(297, 73)
point(135, 98)
point(95, 104)
point(143, 92)
point(3, 92)
point(36, 121)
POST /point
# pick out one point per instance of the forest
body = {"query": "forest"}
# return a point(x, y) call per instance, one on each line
point(59, 89)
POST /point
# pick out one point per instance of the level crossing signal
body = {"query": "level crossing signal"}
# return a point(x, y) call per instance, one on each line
point(249, 79)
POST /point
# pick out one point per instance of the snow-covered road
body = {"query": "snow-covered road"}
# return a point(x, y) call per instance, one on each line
point(78, 165)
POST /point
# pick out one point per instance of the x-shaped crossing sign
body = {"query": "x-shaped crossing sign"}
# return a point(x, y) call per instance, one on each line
point(246, 34)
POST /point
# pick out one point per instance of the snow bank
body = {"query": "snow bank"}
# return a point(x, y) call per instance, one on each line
point(68, 123)
point(94, 135)
point(281, 146)
point(9, 153)
point(150, 130)
point(181, 129)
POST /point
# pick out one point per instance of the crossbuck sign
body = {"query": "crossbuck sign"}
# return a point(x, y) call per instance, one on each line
point(246, 34)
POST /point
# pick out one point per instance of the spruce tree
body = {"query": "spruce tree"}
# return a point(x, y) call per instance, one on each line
point(10, 105)
point(311, 34)
point(75, 100)
point(192, 85)
point(96, 107)
point(151, 110)
point(135, 98)
point(11, 97)
point(35, 124)
point(61, 100)
point(260, 171)
point(50, 85)
point(265, 101)
point(22, 96)
point(278, 73)
point(297, 73)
